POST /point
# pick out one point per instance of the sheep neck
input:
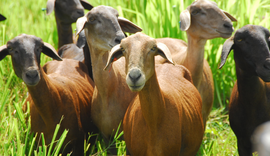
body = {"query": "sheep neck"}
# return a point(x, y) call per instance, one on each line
point(250, 87)
point(102, 77)
point(195, 58)
point(64, 31)
point(45, 93)
point(111, 94)
point(152, 103)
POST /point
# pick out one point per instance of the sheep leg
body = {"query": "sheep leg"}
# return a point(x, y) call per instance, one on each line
point(244, 147)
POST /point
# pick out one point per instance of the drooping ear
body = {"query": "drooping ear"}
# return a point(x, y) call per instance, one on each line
point(80, 24)
point(114, 55)
point(164, 51)
point(230, 16)
point(185, 20)
point(86, 4)
point(3, 52)
point(128, 26)
point(2, 18)
point(50, 6)
point(49, 50)
point(227, 47)
point(81, 39)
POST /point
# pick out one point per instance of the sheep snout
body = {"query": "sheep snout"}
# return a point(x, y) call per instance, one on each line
point(77, 14)
point(31, 77)
point(263, 71)
point(119, 36)
point(226, 29)
point(135, 79)
point(267, 64)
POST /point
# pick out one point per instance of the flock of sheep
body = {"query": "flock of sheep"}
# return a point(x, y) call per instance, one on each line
point(160, 89)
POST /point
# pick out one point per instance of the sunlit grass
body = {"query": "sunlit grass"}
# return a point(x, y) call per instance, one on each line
point(158, 18)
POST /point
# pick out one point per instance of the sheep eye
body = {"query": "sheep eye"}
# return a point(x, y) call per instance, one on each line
point(195, 12)
point(123, 50)
point(239, 40)
point(16, 52)
point(92, 19)
point(154, 49)
point(39, 49)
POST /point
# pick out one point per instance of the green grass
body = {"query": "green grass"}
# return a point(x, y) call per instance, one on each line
point(158, 18)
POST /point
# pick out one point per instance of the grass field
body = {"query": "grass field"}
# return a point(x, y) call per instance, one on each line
point(158, 18)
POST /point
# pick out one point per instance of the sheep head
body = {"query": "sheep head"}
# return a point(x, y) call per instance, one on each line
point(25, 52)
point(68, 11)
point(251, 50)
point(139, 51)
point(205, 20)
point(103, 28)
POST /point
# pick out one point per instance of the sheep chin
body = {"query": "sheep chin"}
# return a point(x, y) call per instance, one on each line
point(136, 88)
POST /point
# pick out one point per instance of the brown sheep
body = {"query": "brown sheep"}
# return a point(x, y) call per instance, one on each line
point(165, 117)
point(58, 89)
point(202, 20)
point(250, 98)
point(111, 95)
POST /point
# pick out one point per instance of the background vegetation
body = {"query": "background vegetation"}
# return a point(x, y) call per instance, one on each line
point(158, 18)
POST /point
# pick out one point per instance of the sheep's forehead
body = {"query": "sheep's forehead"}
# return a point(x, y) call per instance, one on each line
point(140, 43)
point(25, 43)
point(252, 31)
point(103, 11)
point(68, 1)
point(204, 4)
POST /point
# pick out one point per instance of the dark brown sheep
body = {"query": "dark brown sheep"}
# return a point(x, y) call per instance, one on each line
point(66, 13)
point(250, 98)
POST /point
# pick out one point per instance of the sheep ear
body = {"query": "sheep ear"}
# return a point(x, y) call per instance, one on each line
point(114, 55)
point(49, 50)
point(2, 18)
point(50, 6)
point(164, 52)
point(230, 16)
point(80, 24)
point(3, 52)
point(227, 47)
point(81, 39)
point(185, 20)
point(128, 26)
point(86, 4)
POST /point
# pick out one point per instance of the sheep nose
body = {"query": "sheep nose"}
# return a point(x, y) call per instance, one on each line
point(228, 25)
point(80, 13)
point(32, 74)
point(119, 36)
point(117, 40)
point(267, 64)
point(134, 75)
